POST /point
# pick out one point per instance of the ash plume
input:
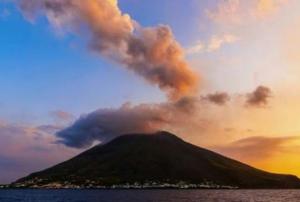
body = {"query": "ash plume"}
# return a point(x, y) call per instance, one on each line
point(152, 52)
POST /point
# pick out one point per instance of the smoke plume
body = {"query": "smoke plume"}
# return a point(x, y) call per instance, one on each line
point(150, 52)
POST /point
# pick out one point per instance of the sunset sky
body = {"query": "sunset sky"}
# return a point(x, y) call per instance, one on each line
point(221, 74)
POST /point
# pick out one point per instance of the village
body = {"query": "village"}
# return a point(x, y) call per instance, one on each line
point(89, 184)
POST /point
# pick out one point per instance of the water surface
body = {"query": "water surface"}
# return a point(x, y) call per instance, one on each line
point(149, 195)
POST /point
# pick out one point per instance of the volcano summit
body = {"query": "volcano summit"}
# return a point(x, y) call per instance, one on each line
point(160, 160)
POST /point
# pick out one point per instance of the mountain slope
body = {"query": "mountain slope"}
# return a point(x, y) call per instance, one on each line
point(160, 158)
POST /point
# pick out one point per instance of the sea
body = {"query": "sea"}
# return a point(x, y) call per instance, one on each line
point(7, 195)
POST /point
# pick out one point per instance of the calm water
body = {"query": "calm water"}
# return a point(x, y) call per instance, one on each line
point(149, 195)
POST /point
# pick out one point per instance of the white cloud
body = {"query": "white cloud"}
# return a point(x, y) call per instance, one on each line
point(215, 43)
point(197, 48)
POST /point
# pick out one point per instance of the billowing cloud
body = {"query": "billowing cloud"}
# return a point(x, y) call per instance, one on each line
point(258, 148)
point(214, 44)
point(105, 124)
point(150, 52)
point(219, 98)
point(259, 97)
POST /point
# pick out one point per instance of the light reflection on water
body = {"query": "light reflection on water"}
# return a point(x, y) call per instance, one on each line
point(149, 195)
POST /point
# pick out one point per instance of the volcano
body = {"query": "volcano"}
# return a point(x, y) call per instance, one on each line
point(154, 160)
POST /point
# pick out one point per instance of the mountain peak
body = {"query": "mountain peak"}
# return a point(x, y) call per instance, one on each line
point(159, 136)
point(160, 158)
point(166, 134)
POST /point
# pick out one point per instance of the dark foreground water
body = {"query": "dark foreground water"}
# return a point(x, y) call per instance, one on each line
point(149, 195)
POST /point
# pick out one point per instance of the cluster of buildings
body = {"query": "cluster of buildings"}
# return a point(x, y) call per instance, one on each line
point(2, 186)
point(89, 184)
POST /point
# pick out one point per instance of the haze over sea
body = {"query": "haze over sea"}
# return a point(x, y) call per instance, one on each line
point(149, 195)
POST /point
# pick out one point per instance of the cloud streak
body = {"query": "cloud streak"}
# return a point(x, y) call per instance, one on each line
point(257, 148)
point(215, 43)
point(60, 116)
